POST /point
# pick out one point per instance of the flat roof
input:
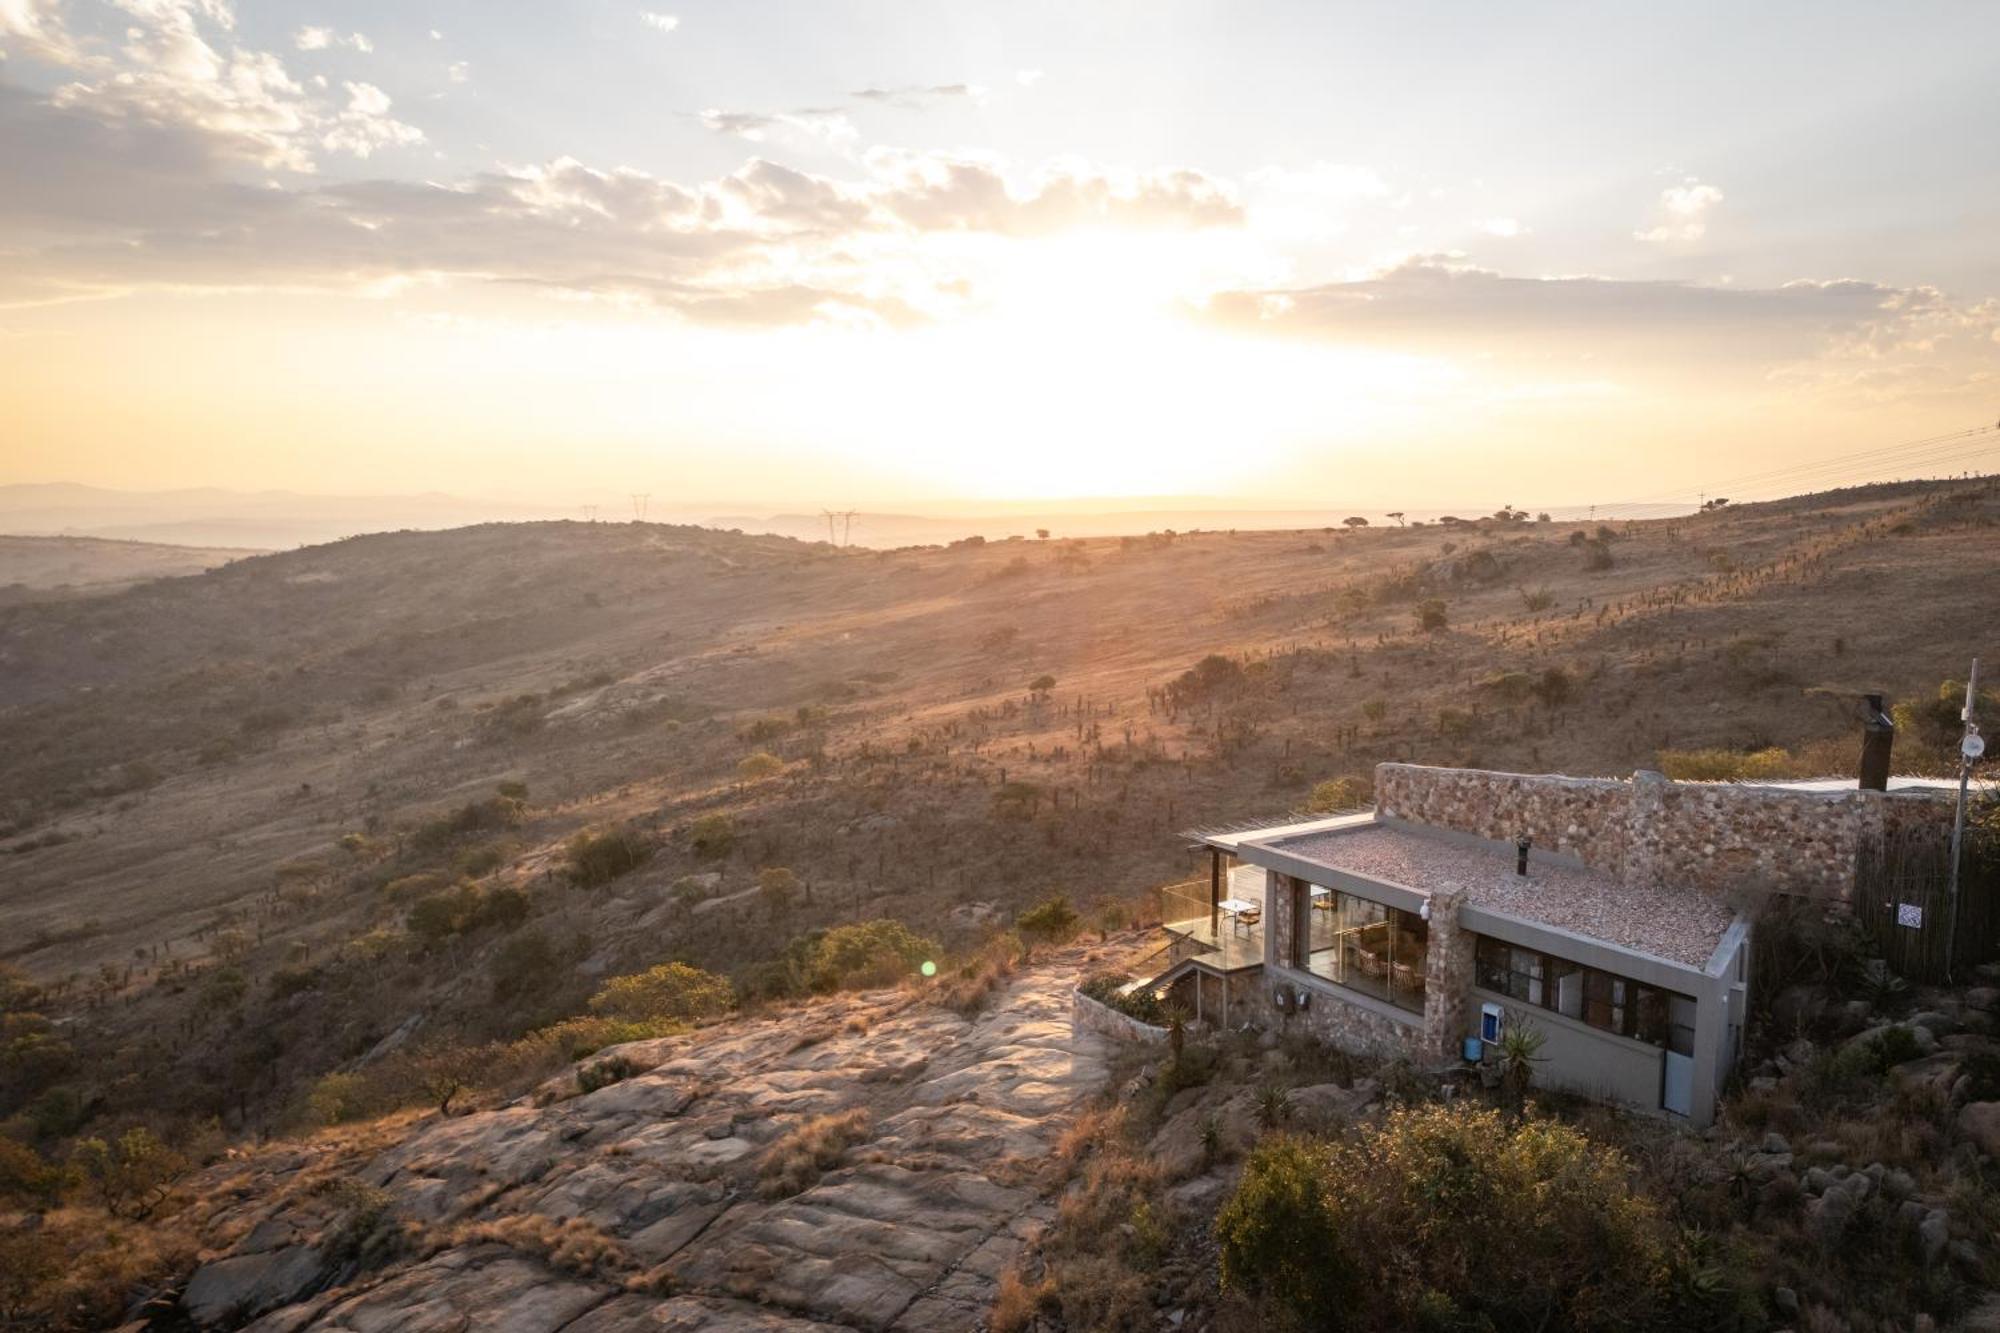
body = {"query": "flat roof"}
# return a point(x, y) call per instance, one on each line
point(1680, 924)
point(1229, 840)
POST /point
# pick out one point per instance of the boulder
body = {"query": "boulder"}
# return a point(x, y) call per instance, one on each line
point(1331, 1104)
point(243, 1286)
point(1933, 1233)
point(1936, 1023)
point(1979, 1122)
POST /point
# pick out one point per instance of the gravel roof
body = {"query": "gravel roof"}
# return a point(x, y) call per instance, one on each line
point(1680, 924)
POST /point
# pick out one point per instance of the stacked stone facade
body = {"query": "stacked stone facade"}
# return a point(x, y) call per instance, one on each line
point(1717, 837)
point(1447, 976)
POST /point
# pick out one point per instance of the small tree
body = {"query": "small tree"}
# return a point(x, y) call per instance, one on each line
point(778, 887)
point(1431, 615)
point(1354, 521)
point(1041, 685)
point(446, 1069)
point(712, 836)
point(131, 1174)
point(1397, 514)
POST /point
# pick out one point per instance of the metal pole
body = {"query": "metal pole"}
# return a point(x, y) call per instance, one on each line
point(1965, 755)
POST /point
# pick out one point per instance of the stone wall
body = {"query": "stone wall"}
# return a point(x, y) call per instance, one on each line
point(1719, 837)
point(1090, 1015)
point(1447, 977)
point(1340, 1023)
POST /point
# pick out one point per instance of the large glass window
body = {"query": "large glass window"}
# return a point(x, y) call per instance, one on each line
point(1601, 999)
point(1367, 947)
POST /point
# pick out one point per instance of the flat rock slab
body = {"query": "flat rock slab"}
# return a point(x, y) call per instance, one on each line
point(658, 1175)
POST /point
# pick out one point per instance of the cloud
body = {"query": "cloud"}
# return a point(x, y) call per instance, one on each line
point(915, 98)
point(321, 39)
point(659, 22)
point(95, 202)
point(827, 126)
point(1027, 78)
point(35, 29)
point(1504, 228)
point(181, 66)
point(458, 71)
point(1682, 214)
point(955, 192)
point(1438, 304)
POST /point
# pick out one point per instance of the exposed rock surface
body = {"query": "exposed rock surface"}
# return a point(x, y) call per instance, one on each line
point(636, 1207)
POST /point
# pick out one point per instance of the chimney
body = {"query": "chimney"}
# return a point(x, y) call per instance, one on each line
point(1878, 737)
point(1521, 845)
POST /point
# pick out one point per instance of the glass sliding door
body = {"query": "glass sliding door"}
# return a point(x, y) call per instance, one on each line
point(1368, 947)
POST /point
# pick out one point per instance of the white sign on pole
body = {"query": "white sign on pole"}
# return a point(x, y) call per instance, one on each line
point(1911, 915)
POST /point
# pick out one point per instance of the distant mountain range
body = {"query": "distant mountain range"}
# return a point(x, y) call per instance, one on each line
point(275, 520)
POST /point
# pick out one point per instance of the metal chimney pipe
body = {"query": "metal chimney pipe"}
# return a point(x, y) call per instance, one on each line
point(1521, 846)
point(1878, 738)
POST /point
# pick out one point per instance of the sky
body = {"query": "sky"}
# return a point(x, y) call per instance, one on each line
point(937, 253)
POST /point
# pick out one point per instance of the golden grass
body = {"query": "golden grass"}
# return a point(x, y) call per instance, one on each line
point(797, 1160)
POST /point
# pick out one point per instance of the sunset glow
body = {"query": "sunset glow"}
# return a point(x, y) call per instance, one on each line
point(1021, 254)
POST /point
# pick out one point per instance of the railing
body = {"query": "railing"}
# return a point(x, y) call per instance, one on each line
point(1185, 901)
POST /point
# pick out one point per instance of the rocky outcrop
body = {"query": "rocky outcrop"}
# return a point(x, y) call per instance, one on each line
point(638, 1206)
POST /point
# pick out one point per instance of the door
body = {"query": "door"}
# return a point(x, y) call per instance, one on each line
point(1677, 1079)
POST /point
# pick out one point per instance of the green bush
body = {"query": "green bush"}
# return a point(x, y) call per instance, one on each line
point(869, 954)
point(671, 992)
point(593, 859)
point(1340, 794)
point(1719, 765)
point(712, 836)
point(1281, 1235)
point(1449, 1216)
point(1141, 1004)
point(1052, 920)
point(487, 816)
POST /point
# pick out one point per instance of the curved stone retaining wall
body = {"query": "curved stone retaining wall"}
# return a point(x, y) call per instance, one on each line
point(1096, 1016)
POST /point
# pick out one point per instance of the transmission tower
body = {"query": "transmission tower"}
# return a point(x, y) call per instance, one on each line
point(846, 517)
point(590, 513)
point(639, 499)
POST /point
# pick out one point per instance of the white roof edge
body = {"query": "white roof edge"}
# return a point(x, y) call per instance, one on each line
point(1231, 839)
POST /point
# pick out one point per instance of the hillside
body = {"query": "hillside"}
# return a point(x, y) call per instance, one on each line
point(43, 565)
point(261, 824)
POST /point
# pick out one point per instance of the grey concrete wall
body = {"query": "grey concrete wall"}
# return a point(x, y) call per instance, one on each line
point(1579, 1058)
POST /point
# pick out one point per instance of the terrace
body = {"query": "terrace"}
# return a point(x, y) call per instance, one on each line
point(1226, 939)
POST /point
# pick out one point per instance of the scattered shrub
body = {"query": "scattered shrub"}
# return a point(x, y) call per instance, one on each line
point(798, 1158)
point(1335, 794)
point(712, 836)
point(869, 954)
point(671, 992)
point(594, 859)
point(1052, 920)
point(1448, 1217)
